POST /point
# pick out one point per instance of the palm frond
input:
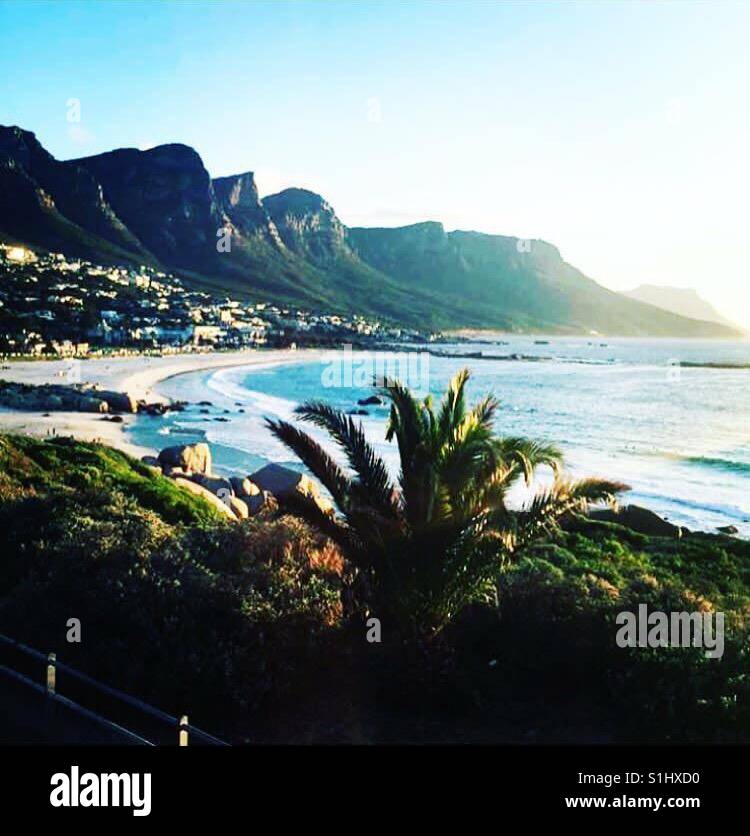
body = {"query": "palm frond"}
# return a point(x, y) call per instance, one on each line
point(372, 474)
point(593, 490)
point(405, 422)
point(453, 406)
point(526, 455)
point(316, 459)
point(484, 412)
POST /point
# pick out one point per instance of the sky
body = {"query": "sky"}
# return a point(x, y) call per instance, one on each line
point(618, 131)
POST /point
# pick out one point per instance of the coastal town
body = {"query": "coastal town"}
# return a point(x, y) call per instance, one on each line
point(52, 306)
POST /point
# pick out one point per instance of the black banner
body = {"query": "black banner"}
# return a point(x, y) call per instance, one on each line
point(319, 784)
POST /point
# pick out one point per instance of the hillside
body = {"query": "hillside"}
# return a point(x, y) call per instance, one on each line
point(518, 284)
point(162, 207)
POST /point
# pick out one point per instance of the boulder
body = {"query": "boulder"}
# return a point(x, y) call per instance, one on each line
point(192, 458)
point(212, 500)
point(216, 484)
point(283, 481)
point(241, 511)
point(639, 519)
point(151, 461)
point(85, 403)
point(243, 487)
point(119, 401)
point(372, 400)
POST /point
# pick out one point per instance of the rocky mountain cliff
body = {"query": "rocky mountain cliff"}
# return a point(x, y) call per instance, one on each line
point(165, 197)
point(238, 198)
point(161, 207)
point(57, 201)
point(308, 225)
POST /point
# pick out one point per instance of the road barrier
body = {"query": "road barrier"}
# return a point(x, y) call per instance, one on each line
point(181, 729)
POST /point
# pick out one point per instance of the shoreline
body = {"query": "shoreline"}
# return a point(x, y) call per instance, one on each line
point(124, 374)
point(143, 377)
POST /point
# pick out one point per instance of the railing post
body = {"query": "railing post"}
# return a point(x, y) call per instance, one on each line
point(50, 702)
point(51, 674)
point(183, 736)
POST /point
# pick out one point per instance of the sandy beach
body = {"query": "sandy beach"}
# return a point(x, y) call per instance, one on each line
point(139, 376)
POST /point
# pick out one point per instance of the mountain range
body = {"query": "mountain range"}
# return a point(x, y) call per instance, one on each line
point(161, 207)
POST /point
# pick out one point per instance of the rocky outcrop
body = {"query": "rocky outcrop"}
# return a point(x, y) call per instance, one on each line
point(283, 481)
point(164, 196)
point(639, 519)
point(118, 401)
point(240, 497)
point(52, 398)
point(236, 497)
point(238, 198)
point(307, 224)
point(190, 458)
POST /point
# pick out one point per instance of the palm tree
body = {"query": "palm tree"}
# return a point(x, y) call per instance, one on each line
point(437, 540)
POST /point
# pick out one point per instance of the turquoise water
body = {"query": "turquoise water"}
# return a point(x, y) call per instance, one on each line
point(626, 409)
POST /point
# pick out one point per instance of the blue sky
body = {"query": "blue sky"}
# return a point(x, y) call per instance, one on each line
point(617, 131)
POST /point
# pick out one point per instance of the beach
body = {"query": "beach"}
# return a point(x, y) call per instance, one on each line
point(138, 376)
point(674, 427)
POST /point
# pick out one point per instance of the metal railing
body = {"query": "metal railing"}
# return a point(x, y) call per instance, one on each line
point(184, 731)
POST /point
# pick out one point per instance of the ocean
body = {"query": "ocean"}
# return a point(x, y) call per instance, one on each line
point(627, 409)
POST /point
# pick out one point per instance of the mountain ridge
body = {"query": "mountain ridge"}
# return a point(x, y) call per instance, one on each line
point(162, 207)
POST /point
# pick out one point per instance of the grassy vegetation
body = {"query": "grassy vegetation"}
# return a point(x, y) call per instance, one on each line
point(558, 606)
point(247, 624)
point(65, 466)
